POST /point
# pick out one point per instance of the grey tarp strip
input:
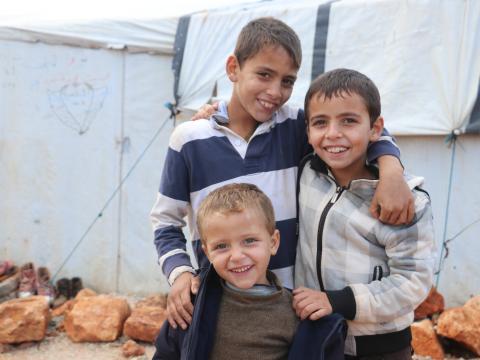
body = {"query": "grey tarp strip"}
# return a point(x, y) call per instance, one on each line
point(179, 48)
point(320, 42)
point(474, 123)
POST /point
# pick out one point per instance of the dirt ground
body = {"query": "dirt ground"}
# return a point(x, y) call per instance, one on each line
point(60, 347)
point(57, 346)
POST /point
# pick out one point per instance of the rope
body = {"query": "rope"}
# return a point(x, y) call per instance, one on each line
point(451, 140)
point(112, 196)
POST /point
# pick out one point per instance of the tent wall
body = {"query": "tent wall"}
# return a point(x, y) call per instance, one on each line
point(72, 123)
point(431, 157)
point(423, 55)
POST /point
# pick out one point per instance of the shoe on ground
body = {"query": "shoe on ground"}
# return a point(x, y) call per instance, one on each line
point(9, 286)
point(5, 266)
point(76, 286)
point(64, 287)
point(27, 286)
point(44, 285)
point(7, 269)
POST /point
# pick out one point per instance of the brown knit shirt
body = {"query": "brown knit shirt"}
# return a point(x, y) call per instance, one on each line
point(253, 327)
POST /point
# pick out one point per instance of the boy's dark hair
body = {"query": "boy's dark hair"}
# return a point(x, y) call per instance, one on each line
point(267, 31)
point(235, 198)
point(339, 81)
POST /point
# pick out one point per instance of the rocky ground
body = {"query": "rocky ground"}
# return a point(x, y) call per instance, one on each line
point(60, 347)
point(57, 345)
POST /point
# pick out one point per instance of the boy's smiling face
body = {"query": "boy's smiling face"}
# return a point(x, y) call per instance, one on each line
point(339, 130)
point(239, 246)
point(262, 84)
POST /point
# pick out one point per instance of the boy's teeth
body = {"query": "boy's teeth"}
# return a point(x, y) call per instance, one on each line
point(239, 270)
point(266, 104)
point(336, 149)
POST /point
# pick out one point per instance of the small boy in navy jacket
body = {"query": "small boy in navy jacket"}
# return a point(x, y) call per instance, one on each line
point(241, 310)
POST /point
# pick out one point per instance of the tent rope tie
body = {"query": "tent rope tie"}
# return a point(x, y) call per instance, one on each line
point(115, 192)
point(451, 141)
point(445, 247)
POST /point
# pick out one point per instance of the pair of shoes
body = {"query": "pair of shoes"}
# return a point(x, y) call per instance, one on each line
point(69, 288)
point(5, 266)
point(7, 269)
point(44, 285)
point(27, 286)
point(32, 283)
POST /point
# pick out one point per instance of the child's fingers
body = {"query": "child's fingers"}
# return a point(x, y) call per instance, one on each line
point(174, 318)
point(299, 300)
point(195, 285)
point(320, 313)
point(375, 209)
point(308, 310)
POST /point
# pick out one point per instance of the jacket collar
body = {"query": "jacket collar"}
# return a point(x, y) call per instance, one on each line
point(220, 119)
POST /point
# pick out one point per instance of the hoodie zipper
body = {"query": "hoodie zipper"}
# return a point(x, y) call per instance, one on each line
point(321, 225)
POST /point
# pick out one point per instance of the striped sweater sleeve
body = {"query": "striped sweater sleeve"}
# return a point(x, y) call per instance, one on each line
point(168, 216)
point(385, 145)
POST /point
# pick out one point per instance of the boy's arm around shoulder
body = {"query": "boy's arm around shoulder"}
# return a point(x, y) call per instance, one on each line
point(393, 201)
point(411, 252)
point(171, 207)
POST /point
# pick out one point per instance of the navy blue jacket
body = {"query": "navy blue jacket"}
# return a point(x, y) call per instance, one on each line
point(314, 340)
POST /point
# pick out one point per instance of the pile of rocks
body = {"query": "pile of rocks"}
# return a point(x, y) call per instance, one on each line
point(436, 327)
point(88, 317)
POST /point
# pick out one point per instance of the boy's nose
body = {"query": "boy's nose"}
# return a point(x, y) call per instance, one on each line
point(236, 254)
point(333, 131)
point(275, 90)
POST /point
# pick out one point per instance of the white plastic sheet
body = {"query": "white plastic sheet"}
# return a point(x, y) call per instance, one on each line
point(423, 55)
point(153, 36)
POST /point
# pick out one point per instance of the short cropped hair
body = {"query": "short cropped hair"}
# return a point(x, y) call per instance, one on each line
point(234, 198)
point(267, 31)
point(345, 81)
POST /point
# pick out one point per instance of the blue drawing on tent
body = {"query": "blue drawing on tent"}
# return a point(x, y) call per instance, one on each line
point(77, 104)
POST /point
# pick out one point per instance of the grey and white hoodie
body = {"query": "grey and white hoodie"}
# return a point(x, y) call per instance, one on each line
point(374, 274)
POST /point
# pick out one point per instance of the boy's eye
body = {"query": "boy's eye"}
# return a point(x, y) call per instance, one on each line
point(288, 82)
point(249, 241)
point(349, 121)
point(318, 122)
point(264, 75)
point(220, 246)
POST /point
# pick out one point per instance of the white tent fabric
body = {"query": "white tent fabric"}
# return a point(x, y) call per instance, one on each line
point(73, 122)
point(153, 36)
point(422, 52)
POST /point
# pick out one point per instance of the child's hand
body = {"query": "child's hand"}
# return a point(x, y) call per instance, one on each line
point(206, 111)
point(311, 304)
point(393, 200)
point(179, 304)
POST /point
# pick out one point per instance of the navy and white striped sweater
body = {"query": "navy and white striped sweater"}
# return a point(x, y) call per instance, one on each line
point(204, 155)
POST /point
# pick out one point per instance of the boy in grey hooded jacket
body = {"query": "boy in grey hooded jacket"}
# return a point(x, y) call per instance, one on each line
point(347, 261)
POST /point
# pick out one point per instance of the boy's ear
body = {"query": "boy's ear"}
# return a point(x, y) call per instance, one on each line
point(376, 130)
point(275, 242)
point(232, 67)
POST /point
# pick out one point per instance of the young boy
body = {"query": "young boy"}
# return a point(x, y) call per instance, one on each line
point(253, 139)
point(347, 261)
point(242, 311)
